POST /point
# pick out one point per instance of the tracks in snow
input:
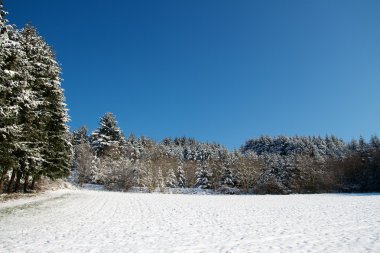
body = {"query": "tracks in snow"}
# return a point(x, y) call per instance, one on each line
point(93, 221)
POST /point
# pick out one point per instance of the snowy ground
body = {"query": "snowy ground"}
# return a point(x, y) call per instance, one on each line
point(97, 221)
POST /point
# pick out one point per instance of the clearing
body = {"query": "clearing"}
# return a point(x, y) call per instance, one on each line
point(99, 221)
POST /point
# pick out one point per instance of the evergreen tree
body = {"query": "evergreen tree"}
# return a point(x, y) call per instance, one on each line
point(353, 146)
point(12, 80)
point(33, 117)
point(362, 146)
point(375, 143)
point(171, 180)
point(19, 107)
point(32, 141)
point(227, 176)
point(95, 171)
point(52, 118)
point(80, 136)
point(108, 134)
point(181, 179)
point(203, 176)
point(3, 21)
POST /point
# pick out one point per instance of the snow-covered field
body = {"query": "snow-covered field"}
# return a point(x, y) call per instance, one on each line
point(96, 221)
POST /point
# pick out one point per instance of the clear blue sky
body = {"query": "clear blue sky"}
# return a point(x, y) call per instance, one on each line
point(216, 70)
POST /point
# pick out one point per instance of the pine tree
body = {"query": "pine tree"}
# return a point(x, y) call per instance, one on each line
point(181, 179)
point(203, 176)
point(52, 118)
point(353, 146)
point(108, 134)
point(171, 180)
point(227, 177)
point(362, 146)
point(17, 101)
point(33, 129)
point(95, 171)
point(80, 136)
point(375, 143)
point(11, 78)
point(32, 141)
point(3, 20)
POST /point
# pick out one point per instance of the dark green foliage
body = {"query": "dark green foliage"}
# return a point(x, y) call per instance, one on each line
point(51, 116)
point(33, 116)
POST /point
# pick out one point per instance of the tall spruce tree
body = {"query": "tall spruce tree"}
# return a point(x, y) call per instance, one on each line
point(18, 105)
point(107, 135)
point(11, 82)
point(31, 142)
point(52, 134)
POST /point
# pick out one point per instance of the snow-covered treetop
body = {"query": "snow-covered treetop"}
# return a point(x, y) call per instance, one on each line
point(3, 13)
point(329, 146)
point(107, 134)
point(80, 136)
point(42, 57)
point(190, 149)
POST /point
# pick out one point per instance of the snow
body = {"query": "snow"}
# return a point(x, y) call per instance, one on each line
point(100, 221)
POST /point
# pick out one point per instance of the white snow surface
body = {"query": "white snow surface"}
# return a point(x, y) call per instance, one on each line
point(100, 221)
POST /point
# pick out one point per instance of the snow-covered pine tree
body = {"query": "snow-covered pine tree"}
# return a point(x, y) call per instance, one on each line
point(11, 82)
point(46, 84)
point(203, 175)
point(362, 146)
point(19, 106)
point(95, 171)
point(375, 143)
point(181, 179)
point(3, 21)
point(108, 134)
point(80, 136)
point(227, 176)
point(32, 141)
point(171, 179)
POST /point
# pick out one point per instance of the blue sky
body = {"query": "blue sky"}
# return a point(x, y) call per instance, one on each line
point(217, 70)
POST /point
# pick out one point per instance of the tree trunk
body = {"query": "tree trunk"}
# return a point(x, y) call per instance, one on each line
point(12, 180)
point(18, 180)
point(2, 179)
point(33, 183)
point(26, 182)
point(20, 173)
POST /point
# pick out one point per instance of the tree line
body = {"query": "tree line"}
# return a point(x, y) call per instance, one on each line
point(277, 165)
point(34, 137)
point(35, 142)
